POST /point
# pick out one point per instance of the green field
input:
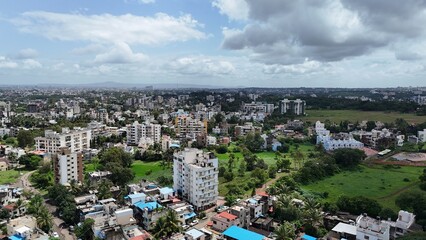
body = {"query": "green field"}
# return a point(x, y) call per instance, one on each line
point(355, 115)
point(267, 156)
point(378, 182)
point(142, 168)
point(9, 176)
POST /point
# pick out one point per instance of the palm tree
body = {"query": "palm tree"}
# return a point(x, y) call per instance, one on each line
point(312, 211)
point(44, 219)
point(285, 232)
point(166, 225)
point(36, 203)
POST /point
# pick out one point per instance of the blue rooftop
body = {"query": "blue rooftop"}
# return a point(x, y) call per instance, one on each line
point(16, 237)
point(137, 195)
point(242, 234)
point(166, 190)
point(307, 237)
point(189, 215)
point(174, 145)
point(150, 205)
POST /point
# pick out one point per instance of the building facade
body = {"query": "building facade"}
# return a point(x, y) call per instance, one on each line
point(137, 130)
point(187, 127)
point(77, 140)
point(68, 166)
point(195, 177)
point(296, 107)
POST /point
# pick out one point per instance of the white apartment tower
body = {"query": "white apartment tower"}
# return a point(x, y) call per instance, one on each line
point(68, 166)
point(296, 107)
point(76, 140)
point(137, 130)
point(195, 177)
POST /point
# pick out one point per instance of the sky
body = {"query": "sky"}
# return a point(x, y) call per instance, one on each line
point(229, 43)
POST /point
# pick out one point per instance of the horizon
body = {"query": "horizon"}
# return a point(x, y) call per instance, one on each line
point(217, 43)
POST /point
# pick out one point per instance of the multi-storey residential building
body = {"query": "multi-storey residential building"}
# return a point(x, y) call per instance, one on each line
point(371, 228)
point(330, 144)
point(296, 107)
point(258, 107)
point(187, 127)
point(224, 220)
point(422, 135)
point(77, 140)
point(68, 166)
point(247, 128)
point(137, 130)
point(195, 177)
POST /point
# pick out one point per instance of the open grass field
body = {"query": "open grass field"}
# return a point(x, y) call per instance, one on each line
point(355, 115)
point(142, 170)
point(376, 182)
point(9, 176)
point(267, 156)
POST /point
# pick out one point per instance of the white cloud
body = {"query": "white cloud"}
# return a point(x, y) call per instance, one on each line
point(201, 66)
point(7, 63)
point(120, 53)
point(89, 49)
point(234, 9)
point(31, 64)
point(140, 1)
point(107, 28)
point(308, 66)
point(27, 53)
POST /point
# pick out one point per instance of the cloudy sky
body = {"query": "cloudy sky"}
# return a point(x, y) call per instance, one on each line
point(262, 43)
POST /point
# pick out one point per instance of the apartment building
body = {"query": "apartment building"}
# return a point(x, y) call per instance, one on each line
point(422, 135)
point(258, 107)
point(137, 130)
point(187, 127)
point(195, 177)
point(68, 166)
point(77, 140)
point(296, 107)
point(247, 128)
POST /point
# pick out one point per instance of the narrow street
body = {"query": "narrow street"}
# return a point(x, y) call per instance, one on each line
point(25, 183)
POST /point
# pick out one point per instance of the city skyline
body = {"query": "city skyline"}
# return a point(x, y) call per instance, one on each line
point(225, 43)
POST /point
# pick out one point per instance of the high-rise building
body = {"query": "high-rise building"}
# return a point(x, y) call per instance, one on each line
point(77, 140)
point(137, 130)
point(195, 177)
point(296, 107)
point(187, 127)
point(68, 166)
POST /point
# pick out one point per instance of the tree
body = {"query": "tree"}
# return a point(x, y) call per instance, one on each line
point(35, 204)
point(230, 200)
point(84, 231)
point(222, 149)
point(348, 158)
point(119, 175)
point(260, 175)
point(298, 157)
point(229, 176)
point(167, 225)
point(104, 189)
point(25, 138)
point(254, 142)
point(242, 169)
point(117, 155)
point(4, 214)
point(30, 161)
point(44, 219)
point(272, 172)
point(286, 231)
point(371, 125)
point(414, 201)
point(423, 180)
point(359, 205)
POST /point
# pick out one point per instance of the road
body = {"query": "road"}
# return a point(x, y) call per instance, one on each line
point(25, 183)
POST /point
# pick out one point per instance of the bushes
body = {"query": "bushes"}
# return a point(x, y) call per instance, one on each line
point(348, 158)
point(316, 170)
point(222, 149)
point(359, 205)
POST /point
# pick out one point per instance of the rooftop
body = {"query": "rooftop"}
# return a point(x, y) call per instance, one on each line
point(242, 234)
point(227, 215)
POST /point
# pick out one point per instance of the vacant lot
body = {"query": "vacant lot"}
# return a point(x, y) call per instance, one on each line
point(383, 183)
point(9, 176)
point(150, 170)
point(354, 116)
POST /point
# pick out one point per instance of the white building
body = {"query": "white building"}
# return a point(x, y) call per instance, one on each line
point(77, 140)
point(68, 166)
point(296, 107)
point(320, 129)
point(371, 228)
point(331, 144)
point(258, 107)
point(422, 135)
point(137, 130)
point(195, 177)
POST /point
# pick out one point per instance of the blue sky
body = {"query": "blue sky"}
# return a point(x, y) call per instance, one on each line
point(268, 43)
